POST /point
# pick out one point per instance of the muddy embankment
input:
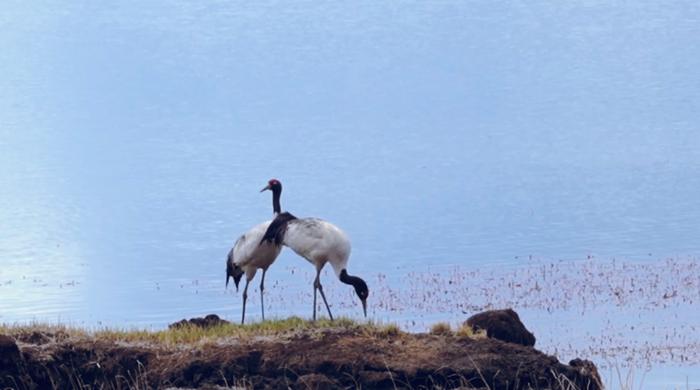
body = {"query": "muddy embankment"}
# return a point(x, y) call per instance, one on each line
point(316, 358)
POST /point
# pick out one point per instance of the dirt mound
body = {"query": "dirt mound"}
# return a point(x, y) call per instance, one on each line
point(504, 325)
point(326, 358)
point(9, 352)
point(587, 368)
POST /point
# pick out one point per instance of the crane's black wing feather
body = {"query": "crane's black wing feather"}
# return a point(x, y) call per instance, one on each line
point(278, 226)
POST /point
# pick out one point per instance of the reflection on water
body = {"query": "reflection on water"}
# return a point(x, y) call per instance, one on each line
point(134, 139)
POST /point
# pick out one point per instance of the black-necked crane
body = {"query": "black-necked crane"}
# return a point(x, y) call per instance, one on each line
point(319, 242)
point(247, 255)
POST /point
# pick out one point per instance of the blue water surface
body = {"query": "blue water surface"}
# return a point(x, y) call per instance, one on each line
point(135, 136)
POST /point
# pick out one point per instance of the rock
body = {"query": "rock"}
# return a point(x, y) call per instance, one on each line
point(504, 325)
point(9, 353)
point(587, 369)
point(209, 321)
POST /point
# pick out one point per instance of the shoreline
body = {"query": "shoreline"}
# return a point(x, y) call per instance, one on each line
point(594, 313)
point(288, 353)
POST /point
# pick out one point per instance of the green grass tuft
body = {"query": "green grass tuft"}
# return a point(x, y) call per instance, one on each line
point(194, 334)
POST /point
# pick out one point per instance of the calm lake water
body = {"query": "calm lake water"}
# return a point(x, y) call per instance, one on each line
point(473, 138)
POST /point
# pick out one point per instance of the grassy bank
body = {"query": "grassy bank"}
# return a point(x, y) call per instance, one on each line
point(192, 334)
point(289, 353)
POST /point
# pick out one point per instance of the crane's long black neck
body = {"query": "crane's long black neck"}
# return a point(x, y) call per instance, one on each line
point(355, 281)
point(276, 193)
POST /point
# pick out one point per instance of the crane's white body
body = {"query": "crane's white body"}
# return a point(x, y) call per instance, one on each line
point(319, 242)
point(249, 254)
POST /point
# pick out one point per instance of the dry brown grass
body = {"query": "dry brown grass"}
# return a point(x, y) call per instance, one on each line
point(189, 334)
point(467, 332)
point(441, 329)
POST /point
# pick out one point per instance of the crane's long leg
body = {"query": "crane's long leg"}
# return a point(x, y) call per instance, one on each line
point(320, 289)
point(245, 297)
point(317, 285)
point(262, 287)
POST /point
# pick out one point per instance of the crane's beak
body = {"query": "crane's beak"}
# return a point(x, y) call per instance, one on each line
point(267, 187)
point(364, 307)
